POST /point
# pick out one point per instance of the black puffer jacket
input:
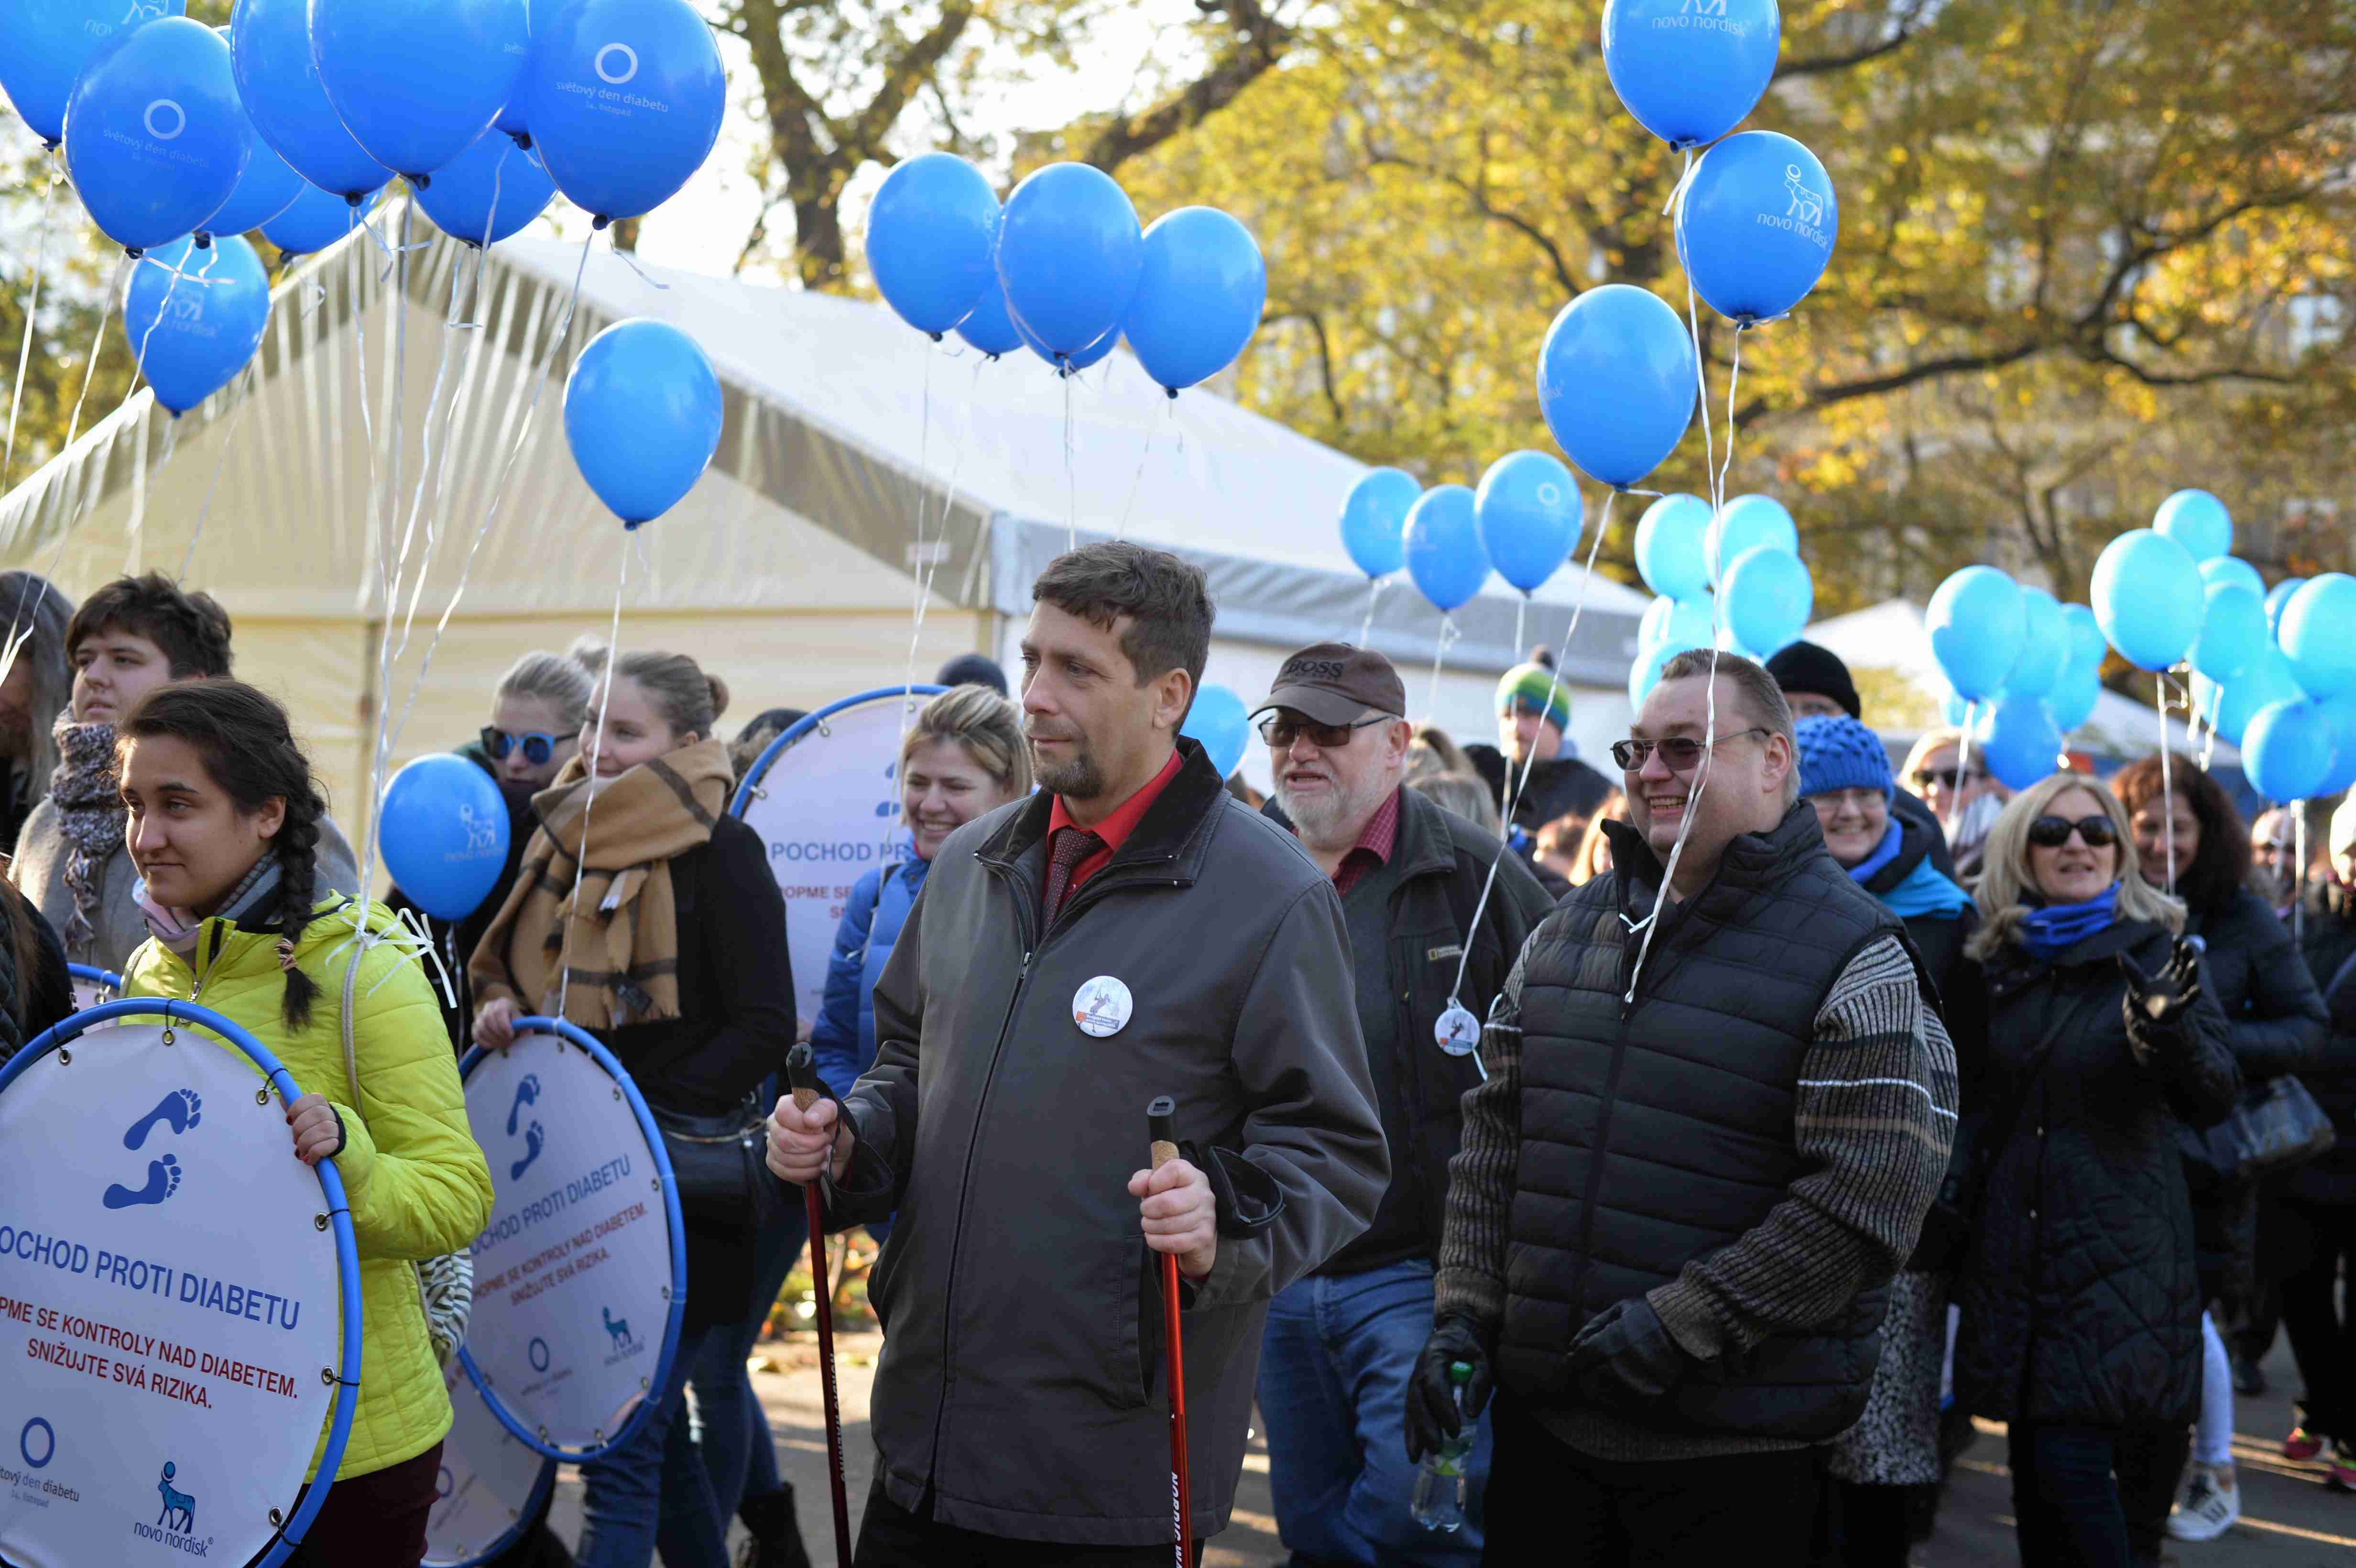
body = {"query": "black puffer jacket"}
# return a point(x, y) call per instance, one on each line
point(2080, 1301)
point(2329, 943)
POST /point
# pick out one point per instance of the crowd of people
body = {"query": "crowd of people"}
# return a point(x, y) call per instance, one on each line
point(1689, 1149)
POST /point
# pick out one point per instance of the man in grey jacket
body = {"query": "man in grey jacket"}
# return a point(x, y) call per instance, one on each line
point(1129, 931)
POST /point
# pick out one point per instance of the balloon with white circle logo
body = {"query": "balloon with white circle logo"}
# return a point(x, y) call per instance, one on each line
point(1529, 513)
point(155, 138)
point(624, 98)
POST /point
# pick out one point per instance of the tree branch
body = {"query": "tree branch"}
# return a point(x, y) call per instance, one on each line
point(1897, 38)
point(1262, 43)
point(1325, 355)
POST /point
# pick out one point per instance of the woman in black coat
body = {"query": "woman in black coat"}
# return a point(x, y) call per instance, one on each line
point(2079, 1292)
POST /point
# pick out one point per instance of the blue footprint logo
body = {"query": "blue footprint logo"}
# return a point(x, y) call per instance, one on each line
point(163, 1180)
point(532, 1139)
point(527, 1093)
point(180, 1110)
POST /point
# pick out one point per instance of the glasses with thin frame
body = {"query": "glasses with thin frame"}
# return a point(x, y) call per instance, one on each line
point(1679, 754)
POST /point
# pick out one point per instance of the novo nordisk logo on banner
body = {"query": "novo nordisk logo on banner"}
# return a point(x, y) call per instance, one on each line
point(175, 1525)
point(625, 1343)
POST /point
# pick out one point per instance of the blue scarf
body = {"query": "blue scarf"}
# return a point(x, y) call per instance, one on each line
point(1883, 853)
point(1923, 893)
point(2054, 929)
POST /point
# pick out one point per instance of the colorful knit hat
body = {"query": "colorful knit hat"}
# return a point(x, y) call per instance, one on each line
point(1533, 689)
point(1841, 753)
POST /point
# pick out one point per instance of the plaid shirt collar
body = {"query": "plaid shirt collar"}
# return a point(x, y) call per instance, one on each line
point(1374, 846)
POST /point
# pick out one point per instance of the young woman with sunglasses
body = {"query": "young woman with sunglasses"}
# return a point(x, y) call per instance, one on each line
point(2081, 1300)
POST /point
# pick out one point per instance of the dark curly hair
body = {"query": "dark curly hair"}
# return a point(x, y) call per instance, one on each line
point(249, 750)
point(2220, 863)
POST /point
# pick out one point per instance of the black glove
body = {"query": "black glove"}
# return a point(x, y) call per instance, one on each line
point(2164, 998)
point(1432, 1413)
point(1625, 1356)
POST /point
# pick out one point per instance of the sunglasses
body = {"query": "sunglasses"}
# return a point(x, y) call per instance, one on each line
point(1279, 732)
point(2052, 832)
point(1680, 752)
point(536, 748)
point(1946, 778)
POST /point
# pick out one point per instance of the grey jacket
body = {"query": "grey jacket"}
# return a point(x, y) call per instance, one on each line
point(39, 873)
point(1022, 1379)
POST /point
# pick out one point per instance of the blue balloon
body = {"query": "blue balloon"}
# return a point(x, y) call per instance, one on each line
point(1069, 364)
point(316, 220)
point(44, 44)
point(1217, 719)
point(2073, 696)
point(1070, 255)
point(1374, 520)
point(271, 46)
point(459, 198)
point(2318, 633)
point(1645, 673)
point(642, 412)
point(1443, 547)
point(929, 237)
point(267, 188)
point(2087, 647)
point(989, 327)
point(2287, 750)
point(2341, 711)
point(2019, 740)
point(1743, 525)
point(624, 99)
point(2277, 597)
point(1690, 78)
point(2198, 522)
point(1616, 382)
point(1529, 511)
point(1756, 225)
point(1975, 622)
point(2045, 646)
point(416, 82)
point(445, 834)
point(511, 122)
point(1199, 296)
point(1675, 623)
point(1669, 546)
point(155, 138)
point(1769, 596)
point(2232, 631)
point(219, 306)
point(2233, 568)
point(2149, 596)
point(2265, 683)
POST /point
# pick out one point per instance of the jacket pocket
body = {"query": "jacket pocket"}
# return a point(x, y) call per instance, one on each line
point(879, 1283)
point(1118, 1285)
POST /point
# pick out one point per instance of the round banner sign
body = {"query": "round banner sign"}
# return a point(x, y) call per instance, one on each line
point(171, 1305)
point(825, 798)
point(581, 1275)
point(492, 1482)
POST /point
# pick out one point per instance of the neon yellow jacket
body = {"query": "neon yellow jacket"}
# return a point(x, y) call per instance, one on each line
point(416, 1181)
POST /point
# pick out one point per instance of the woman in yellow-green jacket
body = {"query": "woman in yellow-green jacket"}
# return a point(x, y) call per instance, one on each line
point(223, 818)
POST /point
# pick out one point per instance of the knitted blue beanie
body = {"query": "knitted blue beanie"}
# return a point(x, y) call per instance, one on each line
point(1839, 752)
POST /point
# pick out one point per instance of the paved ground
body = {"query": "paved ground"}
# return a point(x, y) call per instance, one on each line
point(2290, 1517)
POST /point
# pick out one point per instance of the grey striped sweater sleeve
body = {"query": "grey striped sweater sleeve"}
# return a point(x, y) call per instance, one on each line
point(1874, 1117)
point(1471, 1277)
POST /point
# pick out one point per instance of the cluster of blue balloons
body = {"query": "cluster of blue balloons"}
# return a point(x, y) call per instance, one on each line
point(642, 414)
point(1521, 522)
point(2023, 669)
point(1732, 578)
point(1063, 269)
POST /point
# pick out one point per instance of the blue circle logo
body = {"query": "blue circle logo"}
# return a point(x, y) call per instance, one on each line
point(540, 1355)
point(48, 1443)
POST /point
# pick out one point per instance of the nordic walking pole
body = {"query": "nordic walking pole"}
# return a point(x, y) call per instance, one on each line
point(1182, 1495)
point(801, 1072)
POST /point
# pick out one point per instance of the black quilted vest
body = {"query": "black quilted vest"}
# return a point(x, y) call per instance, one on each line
point(1657, 1133)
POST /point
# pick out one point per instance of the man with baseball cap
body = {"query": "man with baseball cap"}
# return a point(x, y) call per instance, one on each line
point(1341, 1344)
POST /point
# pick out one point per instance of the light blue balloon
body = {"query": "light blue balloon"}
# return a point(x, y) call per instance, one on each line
point(2198, 522)
point(1769, 596)
point(2045, 646)
point(1956, 709)
point(1616, 382)
point(2265, 683)
point(1743, 525)
point(1443, 547)
point(44, 44)
point(2287, 750)
point(1529, 511)
point(2018, 739)
point(154, 137)
point(194, 347)
point(2233, 568)
point(1069, 364)
point(316, 220)
point(1756, 225)
point(2149, 598)
point(1200, 291)
point(2341, 711)
point(2278, 596)
point(1675, 623)
point(1645, 673)
point(1374, 520)
point(930, 235)
point(1070, 255)
point(1669, 546)
point(2318, 633)
point(2232, 631)
point(2073, 698)
point(989, 327)
point(1974, 620)
point(642, 412)
point(1691, 77)
point(1217, 719)
point(267, 188)
point(459, 197)
point(417, 81)
point(270, 47)
point(2087, 647)
point(445, 834)
point(625, 100)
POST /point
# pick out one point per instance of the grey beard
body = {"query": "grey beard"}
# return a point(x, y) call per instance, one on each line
point(1320, 824)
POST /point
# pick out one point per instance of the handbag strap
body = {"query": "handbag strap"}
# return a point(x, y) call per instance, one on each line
point(352, 1079)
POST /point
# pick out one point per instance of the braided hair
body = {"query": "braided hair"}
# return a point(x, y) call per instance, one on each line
point(249, 750)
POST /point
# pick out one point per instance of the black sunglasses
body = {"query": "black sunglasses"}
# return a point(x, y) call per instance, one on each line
point(1278, 731)
point(1680, 752)
point(2052, 832)
point(1946, 778)
point(536, 748)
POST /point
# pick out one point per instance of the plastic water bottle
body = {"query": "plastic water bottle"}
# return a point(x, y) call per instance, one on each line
point(1438, 1502)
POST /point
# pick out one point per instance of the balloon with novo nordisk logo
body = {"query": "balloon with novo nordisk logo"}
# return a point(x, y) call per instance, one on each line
point(179, 1296)
point(1756, 225)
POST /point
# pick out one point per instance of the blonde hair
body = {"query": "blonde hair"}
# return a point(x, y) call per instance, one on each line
point(1432, 751)
point(1466, 795)
point(987, 725)
point(2006, 883)
point(1933, 741)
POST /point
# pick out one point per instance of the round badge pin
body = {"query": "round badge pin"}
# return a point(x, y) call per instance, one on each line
point(1102, 1006)
point(1458, 1031)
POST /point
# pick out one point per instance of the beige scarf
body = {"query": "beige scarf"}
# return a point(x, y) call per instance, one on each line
point(618, 936)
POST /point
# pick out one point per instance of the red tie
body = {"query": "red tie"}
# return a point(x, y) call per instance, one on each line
point(1073, 845)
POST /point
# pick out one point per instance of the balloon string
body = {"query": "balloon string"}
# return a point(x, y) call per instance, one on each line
point(390, 565)
point(1448, 636)
point(1962, 769)
point(1733, 380)
point(1652, 922)
point(919, 563)
point(589, 783)
point(49, 568)
point(32, 314)
point(1693, 325)
point(229, 439)
point(1374, 597)
point(1136, 480)
point(1071, 472)
point(645, 277)
point(2167, 782)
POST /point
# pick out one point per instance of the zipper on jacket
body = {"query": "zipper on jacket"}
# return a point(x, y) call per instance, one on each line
point(196, 981)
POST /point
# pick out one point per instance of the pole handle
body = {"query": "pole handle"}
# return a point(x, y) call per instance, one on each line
point(801, 1073)
point(1158, 1118)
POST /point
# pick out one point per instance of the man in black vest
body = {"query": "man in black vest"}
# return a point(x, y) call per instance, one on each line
point(1712, 1125)
point(1340, 1345)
